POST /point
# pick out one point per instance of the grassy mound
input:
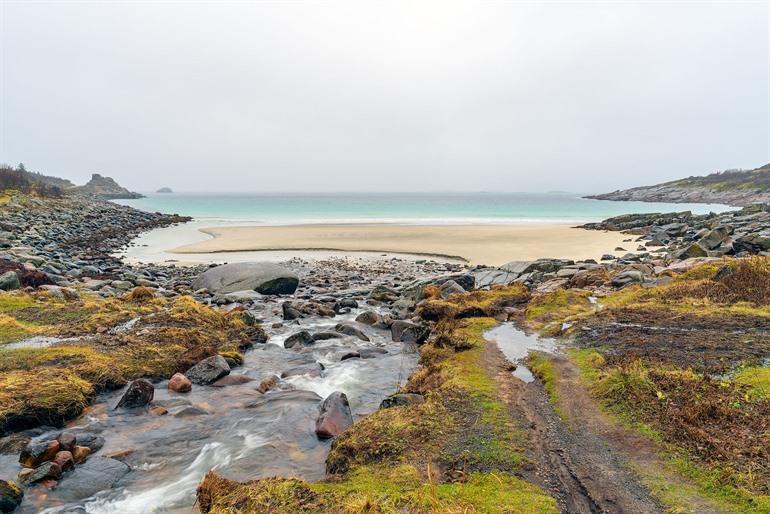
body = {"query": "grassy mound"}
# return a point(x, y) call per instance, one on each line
point(51, 384)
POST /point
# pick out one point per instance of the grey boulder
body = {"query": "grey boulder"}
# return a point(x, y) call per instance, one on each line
point(208, 370)
point(262, 277)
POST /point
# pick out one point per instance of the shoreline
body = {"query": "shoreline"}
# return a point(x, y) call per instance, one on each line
point(491, 244)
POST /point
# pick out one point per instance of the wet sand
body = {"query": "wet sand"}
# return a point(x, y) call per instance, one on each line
point(478, 244)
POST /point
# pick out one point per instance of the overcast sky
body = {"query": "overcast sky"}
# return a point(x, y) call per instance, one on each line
point(386, 96)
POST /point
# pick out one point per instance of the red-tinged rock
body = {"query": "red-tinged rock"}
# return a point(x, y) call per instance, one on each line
point(80, 453)
point(179, 384)
point(37, 453)
point(65, 460)
point(335, 416)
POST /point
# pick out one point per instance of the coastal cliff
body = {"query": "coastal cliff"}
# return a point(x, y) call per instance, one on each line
point(731, 187)
point(107, 188)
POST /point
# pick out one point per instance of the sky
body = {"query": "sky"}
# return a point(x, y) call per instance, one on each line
point(384, 96)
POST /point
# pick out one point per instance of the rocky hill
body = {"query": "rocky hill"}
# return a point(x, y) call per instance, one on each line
point(105, 187)
point(732, 187)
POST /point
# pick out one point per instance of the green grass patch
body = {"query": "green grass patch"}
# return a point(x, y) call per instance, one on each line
point(756, 379)
point(376, 489)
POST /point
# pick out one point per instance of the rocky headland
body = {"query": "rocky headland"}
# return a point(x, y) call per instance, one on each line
point(732, 187)
point(117, 381)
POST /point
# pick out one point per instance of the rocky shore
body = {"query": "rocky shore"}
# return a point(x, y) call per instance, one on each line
point(76, 322)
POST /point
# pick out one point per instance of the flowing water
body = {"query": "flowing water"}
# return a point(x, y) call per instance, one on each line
point(236, 430)
point(516, 345)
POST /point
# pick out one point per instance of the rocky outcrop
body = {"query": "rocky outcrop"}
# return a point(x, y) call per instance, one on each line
point(733, 187)
point(262, 277)
point(106, 188)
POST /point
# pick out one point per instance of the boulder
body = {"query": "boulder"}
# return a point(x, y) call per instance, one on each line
point(407, 332)
point(91, 441)
point(370, 318)
point(267, 384)
point(179, 384)
point(312, 370)
point(9, 281)
point(67, 441)
point(96, 474)
point(449, 288)
point(335, 416)
point(80, 454)
point(627, 277)
point(263, 277)
point(302, 338)
point(324, 336)
point(714, 238)
point(65, 460)
point(38, 452)
point(208, 370)
point(230, 380)
point(383, 293)
point(45, 470)
point(300, 309)
point(139, 394)
point(690, 251)
point(350, 330)
point(10, 495)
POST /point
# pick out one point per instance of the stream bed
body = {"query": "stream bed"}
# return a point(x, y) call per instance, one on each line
point(238, 431)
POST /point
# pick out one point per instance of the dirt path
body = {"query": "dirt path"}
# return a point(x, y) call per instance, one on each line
point(584, 463)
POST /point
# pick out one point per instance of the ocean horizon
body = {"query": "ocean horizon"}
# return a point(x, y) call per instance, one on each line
point(411, 208)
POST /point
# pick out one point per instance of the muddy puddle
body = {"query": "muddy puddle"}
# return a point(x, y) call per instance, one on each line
point(516, 344)
point(236, 430)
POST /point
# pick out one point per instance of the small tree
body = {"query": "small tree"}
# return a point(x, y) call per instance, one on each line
point(21, 167)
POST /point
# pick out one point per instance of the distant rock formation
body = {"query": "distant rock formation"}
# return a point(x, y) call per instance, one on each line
point(732, 187)
point(105, 187)
point(164, 190)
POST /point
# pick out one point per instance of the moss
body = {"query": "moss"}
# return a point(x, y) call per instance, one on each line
point(546, 313)
point(376, 489)
point(756, 379)
point(541, 366)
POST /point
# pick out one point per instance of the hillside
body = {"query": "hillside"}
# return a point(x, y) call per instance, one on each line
point(20, 179)
point(731, 187)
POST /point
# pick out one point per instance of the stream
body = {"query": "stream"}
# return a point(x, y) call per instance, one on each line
point(241, 433)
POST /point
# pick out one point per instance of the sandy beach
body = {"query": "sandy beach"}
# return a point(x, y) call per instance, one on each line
point(478, 244)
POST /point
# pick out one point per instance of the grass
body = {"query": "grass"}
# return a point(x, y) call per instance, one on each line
point(52, 384)
point(546, 313)
point(376, 489)
point(756, 379)
point(458, 451)
point(473, 304)
point(629, 392)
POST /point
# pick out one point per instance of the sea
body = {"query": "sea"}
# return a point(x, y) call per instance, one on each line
point(411, 208)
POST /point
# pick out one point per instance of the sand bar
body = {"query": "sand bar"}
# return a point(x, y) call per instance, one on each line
point(478, 244)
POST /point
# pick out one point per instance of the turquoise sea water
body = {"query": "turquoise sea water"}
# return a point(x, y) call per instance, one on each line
point(399, 207)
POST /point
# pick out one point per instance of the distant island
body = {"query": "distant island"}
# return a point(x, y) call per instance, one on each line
point(164, 190)
point(107, 188)
point(732, 187)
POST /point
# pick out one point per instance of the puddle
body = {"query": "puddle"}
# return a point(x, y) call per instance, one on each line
point(516, 344)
